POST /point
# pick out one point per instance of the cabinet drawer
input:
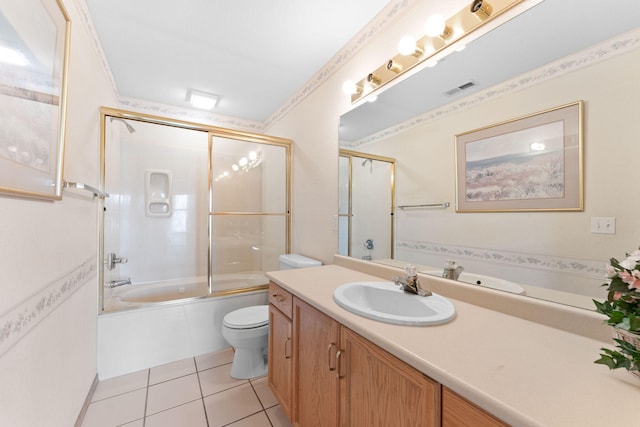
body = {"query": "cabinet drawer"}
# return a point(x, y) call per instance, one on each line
point(281, 299)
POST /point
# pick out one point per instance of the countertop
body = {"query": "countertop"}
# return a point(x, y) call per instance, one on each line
point(522, 371)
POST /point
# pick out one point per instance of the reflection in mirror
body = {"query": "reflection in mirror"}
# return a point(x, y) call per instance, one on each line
point(365, 217)
point(546, 57)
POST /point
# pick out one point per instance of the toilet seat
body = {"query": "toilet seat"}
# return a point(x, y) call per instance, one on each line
point(247, 318)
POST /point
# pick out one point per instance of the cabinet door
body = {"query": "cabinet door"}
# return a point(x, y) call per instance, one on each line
point(315, 338)
point(459, 412)
point(280, 358)
point(378, 389)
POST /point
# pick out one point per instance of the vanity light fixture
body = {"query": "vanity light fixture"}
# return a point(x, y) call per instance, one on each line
point(441, 34)
point(202, 100)
point(408, 46)
point(436, 26)
point(481, 9)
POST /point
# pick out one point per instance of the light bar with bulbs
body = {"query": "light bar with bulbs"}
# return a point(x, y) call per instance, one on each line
point(440, 33)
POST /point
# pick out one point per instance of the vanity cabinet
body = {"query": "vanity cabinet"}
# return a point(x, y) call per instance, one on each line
point(324, 374)
point(378, 389)
point(459, 412)
point(281, 347)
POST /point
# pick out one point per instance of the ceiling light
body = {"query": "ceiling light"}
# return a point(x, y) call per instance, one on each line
point(202, 100)
point(408, 46)
point(12, 56)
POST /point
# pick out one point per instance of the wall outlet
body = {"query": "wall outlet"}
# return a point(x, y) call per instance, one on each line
point(603, 224)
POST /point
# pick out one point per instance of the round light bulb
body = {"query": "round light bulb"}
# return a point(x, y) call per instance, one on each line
point(235, 168)
point(349, 87)
point(407, 45)
point(253, 155)
point(243, 162)
point(434, 26)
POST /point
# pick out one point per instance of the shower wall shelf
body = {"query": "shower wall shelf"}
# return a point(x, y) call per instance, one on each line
point(426, 205)
point(81, 186)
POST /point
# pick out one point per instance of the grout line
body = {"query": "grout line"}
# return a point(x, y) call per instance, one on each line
point(206, 416)
point(146, 399)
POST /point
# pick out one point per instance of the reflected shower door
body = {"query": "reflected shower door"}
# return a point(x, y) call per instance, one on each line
point(366, 206)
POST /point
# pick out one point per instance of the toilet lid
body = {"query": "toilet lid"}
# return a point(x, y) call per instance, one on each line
point(248, 317)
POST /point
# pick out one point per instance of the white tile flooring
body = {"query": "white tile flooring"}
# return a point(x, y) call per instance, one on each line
point(192, 392)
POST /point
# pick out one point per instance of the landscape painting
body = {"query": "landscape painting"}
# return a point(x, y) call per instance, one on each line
point(530, 163)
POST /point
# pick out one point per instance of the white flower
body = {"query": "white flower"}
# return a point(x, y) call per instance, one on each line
point(629, 263)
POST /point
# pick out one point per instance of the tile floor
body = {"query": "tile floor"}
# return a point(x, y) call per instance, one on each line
point(192, 392)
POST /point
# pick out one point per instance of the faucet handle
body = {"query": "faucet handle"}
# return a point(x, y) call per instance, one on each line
point(410, 270)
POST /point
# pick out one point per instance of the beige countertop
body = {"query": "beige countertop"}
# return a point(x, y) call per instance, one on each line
point(525, 372)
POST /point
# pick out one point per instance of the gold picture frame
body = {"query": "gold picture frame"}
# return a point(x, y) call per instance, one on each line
point(531, 163)
point(34, 60)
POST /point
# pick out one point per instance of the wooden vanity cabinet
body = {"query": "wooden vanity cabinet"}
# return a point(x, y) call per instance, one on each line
point(324, 374)
point(378, 389)
point(281, 347)
point(459, 412)
point(315, 383)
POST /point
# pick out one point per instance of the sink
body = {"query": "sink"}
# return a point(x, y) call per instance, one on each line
point(386, 302)
point(485, 281)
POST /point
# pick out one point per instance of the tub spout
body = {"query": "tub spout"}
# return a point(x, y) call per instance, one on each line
point(117, 283)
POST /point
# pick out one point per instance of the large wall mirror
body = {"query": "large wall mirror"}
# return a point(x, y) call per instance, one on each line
point(555, 53)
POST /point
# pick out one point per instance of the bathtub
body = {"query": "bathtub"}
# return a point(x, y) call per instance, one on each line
point(137, 294)
point(145, 328)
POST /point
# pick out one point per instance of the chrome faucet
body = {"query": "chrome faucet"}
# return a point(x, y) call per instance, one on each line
point(410, 282)
point(451, 270)
point(117, 283)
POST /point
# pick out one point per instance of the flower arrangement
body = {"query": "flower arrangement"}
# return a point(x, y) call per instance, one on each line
point(622, 308)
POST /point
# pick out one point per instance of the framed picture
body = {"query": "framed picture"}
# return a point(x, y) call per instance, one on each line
point(34, 57)
point(532, 163)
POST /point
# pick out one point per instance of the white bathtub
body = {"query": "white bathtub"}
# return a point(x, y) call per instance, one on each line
point(154, 331)
point(131, 296)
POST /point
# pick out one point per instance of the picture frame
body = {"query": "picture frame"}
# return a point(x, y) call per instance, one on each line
point(530, 163)
point(34, 60)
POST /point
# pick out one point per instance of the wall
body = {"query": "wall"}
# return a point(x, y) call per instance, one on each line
point(48, 292)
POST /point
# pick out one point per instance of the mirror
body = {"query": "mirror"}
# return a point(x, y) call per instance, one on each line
point(556, 53)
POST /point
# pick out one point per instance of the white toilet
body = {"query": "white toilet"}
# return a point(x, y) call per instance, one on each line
point(247, 329)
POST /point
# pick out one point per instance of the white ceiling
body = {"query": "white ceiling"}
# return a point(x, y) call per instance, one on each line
point(253, 54)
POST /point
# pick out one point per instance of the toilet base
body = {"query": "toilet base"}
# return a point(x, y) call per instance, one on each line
point(248, 364)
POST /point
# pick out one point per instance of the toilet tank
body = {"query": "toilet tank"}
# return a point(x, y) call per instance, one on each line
point(289, 261)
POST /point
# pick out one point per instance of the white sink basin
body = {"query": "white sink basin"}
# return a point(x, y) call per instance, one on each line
point(485, 281)
point(386, 302)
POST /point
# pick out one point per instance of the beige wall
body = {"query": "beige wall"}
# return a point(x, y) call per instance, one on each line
point(47, 366)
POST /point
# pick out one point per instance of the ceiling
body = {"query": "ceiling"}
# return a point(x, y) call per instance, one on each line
point(253, 54)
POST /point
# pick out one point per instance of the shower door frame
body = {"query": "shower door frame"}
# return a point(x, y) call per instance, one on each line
point(212, 132)
point(368, 156)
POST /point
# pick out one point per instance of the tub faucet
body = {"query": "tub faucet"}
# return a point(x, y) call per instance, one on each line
point(410, 282)
point(451, 270)
point(117, 283)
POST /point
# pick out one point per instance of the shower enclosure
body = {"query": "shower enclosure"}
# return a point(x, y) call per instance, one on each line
point(366, 205)
point(193, 210)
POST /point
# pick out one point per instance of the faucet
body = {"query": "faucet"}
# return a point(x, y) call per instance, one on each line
point(113, 259)
point(410, 282)
point(451, 270)
point(117, 283)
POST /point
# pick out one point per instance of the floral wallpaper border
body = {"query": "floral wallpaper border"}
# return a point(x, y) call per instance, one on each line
point(619, 45)
point(19, 321)
point(575, 266)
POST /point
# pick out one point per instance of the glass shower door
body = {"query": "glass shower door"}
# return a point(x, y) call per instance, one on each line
point(249, 212)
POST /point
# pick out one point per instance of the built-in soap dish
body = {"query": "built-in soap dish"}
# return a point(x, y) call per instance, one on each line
point(157, 193)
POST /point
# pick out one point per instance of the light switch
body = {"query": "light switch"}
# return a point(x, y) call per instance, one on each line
point(603, 224)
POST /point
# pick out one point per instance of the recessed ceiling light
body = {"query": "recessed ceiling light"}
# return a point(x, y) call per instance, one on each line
point(203, 100)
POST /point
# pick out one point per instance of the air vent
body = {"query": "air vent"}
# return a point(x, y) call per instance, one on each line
point(460, 88)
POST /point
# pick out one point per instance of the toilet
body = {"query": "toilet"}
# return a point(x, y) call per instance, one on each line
point(247, 329)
